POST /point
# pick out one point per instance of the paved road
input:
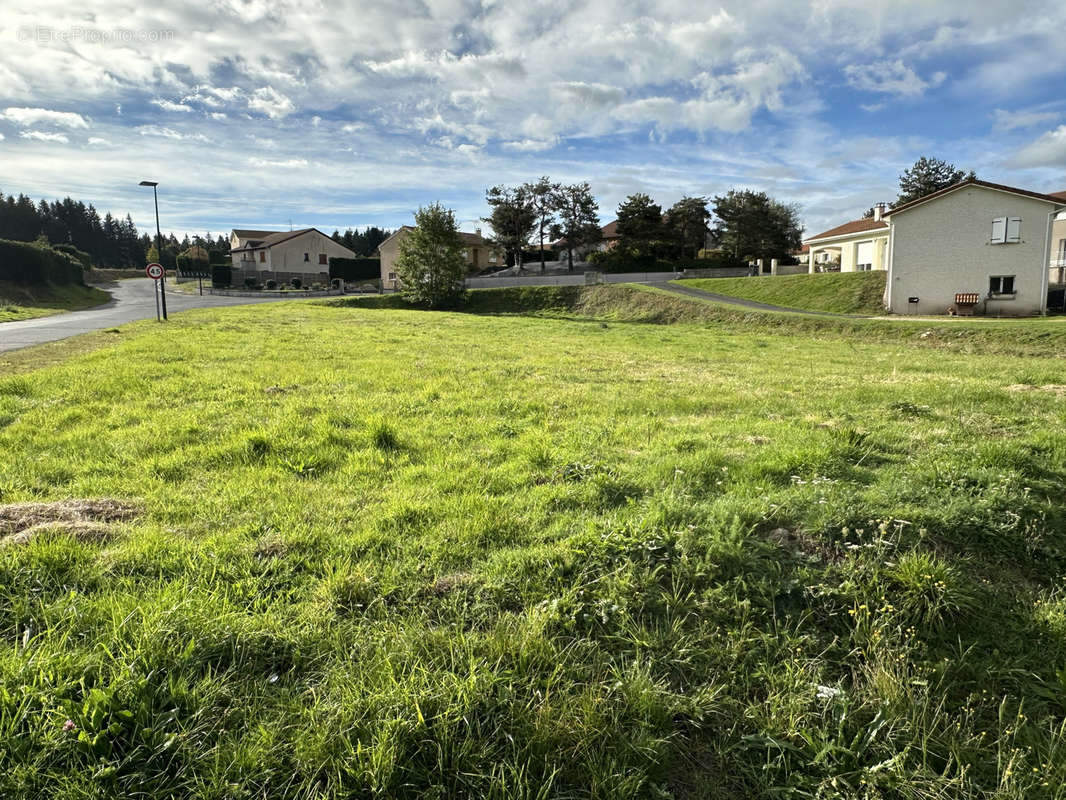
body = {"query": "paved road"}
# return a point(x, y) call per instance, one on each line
point(739, 301)
point(131, 300)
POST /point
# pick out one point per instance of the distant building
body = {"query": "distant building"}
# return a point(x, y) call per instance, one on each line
point(284, 255)
point(479, 252)
point(856, 246)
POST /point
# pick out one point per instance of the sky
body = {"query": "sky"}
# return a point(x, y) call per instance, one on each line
point(275, 114)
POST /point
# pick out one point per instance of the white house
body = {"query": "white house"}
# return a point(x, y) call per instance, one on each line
point(855, 246)
point(975, 245)
point(284, 255)
point(478, 252)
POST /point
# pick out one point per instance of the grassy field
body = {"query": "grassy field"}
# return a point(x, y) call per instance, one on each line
point(840, 292)
point(338, 550)
point(26, 302)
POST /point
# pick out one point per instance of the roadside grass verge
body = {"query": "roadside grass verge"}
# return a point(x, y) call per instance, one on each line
point(18, 301)
point(378, 552)
point(839, 292)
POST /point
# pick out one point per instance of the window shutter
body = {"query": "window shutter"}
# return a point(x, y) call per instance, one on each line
point(1014, 229)
point(999, 230)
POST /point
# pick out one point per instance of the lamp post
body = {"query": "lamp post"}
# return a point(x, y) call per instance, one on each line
point(158, 245)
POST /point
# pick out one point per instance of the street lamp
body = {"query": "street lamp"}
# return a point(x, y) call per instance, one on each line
point(158, 245)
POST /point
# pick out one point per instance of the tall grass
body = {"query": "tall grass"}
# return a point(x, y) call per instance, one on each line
point(389, 553)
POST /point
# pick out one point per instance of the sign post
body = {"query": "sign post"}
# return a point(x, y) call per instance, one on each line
point(155, 272)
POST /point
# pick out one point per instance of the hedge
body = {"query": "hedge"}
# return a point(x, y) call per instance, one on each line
point(355, 269)
point(193, 267)
point(32, 263)
point(221, 275)
point(78, 255)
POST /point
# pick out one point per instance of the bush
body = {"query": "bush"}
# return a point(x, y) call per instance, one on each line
point(355, 269)
point(36, 263)
point(336, 283)
point(249, 283)
point(221, 276)
point(272, 284)
point(295, 283)
point(80, 256)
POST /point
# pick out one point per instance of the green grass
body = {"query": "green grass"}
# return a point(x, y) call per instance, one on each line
point(839, 292)
point(555, 553)
point(18, 301)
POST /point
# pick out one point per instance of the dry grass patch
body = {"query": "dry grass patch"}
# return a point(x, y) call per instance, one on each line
point(85, 520)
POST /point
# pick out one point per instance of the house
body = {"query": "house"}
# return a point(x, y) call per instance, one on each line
point(478, 251)
point(608, 241)
point(974, 245)
point(855, 246)
point(1057, 265)
point(284, 255)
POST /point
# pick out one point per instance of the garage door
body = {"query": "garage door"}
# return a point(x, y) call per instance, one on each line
point(864, 256)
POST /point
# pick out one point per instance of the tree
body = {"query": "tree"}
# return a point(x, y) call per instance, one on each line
point(926, 176)
point(640, 225)
point(686, 222)
point(543, 198)
point(752, 225)
point(153, 255)
point(513, 219)
point(430, 265)
point(579, 221)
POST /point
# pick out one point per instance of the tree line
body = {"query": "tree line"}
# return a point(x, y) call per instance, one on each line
point(745, 225)
point(363, 243)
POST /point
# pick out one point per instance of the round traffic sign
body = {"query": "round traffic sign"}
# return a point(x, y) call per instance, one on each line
point(154, 271)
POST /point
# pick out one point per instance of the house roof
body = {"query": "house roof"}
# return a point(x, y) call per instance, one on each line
point(1059, 195)
point(855, 226)
point(471, 239)
point(610, 230)
point(247, 234)
point(1057, 200)
point(271, 238)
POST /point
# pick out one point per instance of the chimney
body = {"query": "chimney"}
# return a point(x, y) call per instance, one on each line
point(879, 211)
point(477, 231)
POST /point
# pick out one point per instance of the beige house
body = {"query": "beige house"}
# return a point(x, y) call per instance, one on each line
point(480, 254)
point(1057, 277)
point(973, 246)
point(856, 246)
point(284, 255)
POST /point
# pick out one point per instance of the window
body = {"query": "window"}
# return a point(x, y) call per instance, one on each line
point(864, 267)
point(1062, 252)
point(1001, 284)
point(392, 276)
point(321, 258)
point(307, 256)
point(262, 256)
point(1006, 230)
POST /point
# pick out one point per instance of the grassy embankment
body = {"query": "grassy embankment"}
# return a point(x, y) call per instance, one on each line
point(382, 552)
point(18, 301)
point(840, 292)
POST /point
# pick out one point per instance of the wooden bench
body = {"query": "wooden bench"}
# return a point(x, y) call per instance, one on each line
point(965, 302)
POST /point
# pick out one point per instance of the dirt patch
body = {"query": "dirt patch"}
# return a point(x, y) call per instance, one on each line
point(447, 584)
point(85, 520)
point(1056, 389)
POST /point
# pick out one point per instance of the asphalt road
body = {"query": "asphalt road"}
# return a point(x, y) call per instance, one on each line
point(131, 300)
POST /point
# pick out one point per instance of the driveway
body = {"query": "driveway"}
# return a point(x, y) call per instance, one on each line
point(131, 300)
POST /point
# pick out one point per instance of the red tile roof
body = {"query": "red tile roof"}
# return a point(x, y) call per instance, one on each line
point(1051, 198)
point(855, 226)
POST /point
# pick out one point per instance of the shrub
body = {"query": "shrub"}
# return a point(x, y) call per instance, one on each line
point(80, 256)
point(37, 262)
point(336, 283)
point(221, 276)
point(355, 269)
point(272, 284)
point(295, 283)
point(249, 283)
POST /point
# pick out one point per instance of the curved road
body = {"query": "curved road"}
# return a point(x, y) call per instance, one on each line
point(131, 300)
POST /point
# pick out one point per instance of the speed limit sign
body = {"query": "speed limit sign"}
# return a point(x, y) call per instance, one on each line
point(155, 271)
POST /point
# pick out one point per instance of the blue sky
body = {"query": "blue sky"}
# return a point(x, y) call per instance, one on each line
point(255, 114)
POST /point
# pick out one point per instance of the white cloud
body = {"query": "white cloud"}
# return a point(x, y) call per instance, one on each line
point(891, 77)
point(26, 117)
point(170, 133)
point(1016, 120)
point(289, 163)
point(1047, 151)
point(99, 141)
point(352, 127)
point(41, 136)
point(167, 105)
point(531, 145)
point(271, 102)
